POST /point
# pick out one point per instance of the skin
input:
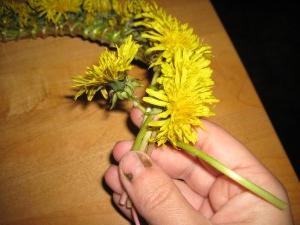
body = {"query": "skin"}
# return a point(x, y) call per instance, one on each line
point(172, 188)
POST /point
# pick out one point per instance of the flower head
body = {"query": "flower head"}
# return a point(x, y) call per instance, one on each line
point(56, 9)
point(185, 97)
point(166, 34)
point(110, 73)
point(129, 9)
point(97, 7)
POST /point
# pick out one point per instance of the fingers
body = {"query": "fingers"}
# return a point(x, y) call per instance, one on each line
point(216, 142)
point(176, 164)
point(179, 165)
point(136, 116)
point(153, 193)
point(193, 198)
point(219, 144)
point(126, 211)
point(121, 148)
point(112, 179)
point(222, 191)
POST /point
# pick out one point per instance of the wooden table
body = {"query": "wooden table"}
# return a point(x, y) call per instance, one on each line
point(53, 152)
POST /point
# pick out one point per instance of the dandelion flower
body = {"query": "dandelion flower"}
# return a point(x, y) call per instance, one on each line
point(166, 34)
point(129, 9)
point(112, 67)
point(185, 97)
point(98, 7)
point(55, 9)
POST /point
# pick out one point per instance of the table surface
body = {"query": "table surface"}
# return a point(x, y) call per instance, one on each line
point(53, 152)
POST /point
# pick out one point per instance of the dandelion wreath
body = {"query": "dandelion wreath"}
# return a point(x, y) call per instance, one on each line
point(180, 93)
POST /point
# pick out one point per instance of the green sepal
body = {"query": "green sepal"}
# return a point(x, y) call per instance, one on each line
point(122, 90)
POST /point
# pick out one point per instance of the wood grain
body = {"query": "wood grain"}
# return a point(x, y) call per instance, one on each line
point(53, 152)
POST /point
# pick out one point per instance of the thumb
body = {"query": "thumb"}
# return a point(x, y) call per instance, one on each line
point(154, 194)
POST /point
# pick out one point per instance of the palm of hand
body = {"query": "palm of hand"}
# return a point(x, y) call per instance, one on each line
point(222, 202)
point(213, 195)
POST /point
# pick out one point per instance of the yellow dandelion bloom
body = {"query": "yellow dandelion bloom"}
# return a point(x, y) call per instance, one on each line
point(166, 34)
point(97, 6)
point(112, 67)
point(185, 97)
point(129, 9)
point(54, 10)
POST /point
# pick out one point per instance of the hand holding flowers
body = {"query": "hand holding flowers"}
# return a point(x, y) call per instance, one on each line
point(173, 188)
point(180, 93)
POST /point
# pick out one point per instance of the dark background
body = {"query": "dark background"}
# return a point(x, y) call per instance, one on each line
point(265, 34)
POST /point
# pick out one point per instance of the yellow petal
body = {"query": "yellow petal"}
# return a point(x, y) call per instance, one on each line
point(164, 114)
point(157, 94)
point(157, 123)
point(154, 101)
point(104, 93)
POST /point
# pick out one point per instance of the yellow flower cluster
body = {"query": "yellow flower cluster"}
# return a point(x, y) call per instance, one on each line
point(55, 9)
point(112, 67)
point(130, 9)
point(166, 34)
point(184, 88)
point(185, 97)
point(94, 7)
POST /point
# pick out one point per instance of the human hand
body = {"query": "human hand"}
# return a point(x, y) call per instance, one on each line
point(173, 188)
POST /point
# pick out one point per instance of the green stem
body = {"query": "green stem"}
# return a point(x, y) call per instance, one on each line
point(137, 146)
point(145, 141)
point(137, 103)
point(233, 175)
point(100, 30)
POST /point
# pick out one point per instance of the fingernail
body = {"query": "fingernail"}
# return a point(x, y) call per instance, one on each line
point(123, 199)
point(133, 164)
point(129, 204)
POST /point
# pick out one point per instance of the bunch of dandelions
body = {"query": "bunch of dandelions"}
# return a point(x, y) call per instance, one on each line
point(180, 94)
